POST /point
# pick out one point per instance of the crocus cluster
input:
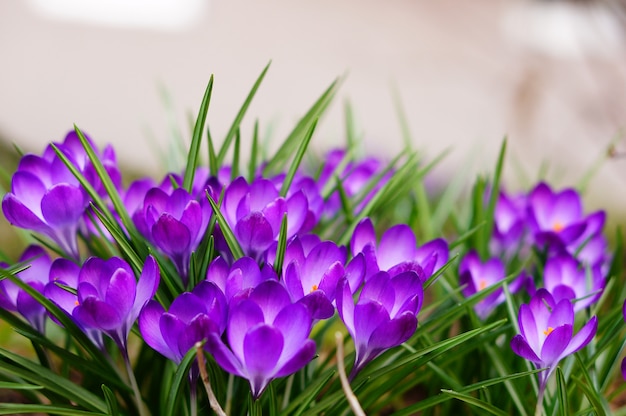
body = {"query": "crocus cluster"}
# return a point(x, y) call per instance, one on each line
point(570, 276)
point(254, 310)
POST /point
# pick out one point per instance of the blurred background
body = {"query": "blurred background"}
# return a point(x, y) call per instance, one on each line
point(550, 75)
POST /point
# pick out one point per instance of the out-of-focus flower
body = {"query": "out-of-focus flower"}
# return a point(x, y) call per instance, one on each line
point(384, 316)
point(565, 278)
point(12, 298)
point(547, 332)
point(175, 223)
point(556, 218)
point(255, 211)
point(397, 251)
point(45, 197)
point(476, 275)
point(354, 177)
point(510, 227)
point(267, 337)
point(190, 319)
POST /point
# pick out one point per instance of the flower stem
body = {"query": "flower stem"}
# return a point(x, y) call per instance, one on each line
point(133, 383)
point(345, 384)
point(215, 405)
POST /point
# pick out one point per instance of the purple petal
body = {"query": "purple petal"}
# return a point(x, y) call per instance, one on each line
point(187, 306)
point(233, 195)
point(21, 216)
point(363, 235)
point(555, 343)
point(397, 245)
point(393, 333)
point(93, 313)
point(146, 286)
point(263, 346)
point(177, 202)
point(318, 305)
point(345, 305)
point(562, 314)
point(120, 294)
point(292, 281)
point(149, 326)
point(297, 209)
point(170, 235)
point(294, 322)
point(378, 289)
point(521, 348)
point(271, 297)
point(368, 317)
point(298, 360)
point(245, 315)
point(29, 190)
point(583, 337)
point(528, 327)
point(223, 356)
point(355, 272)
point(63, 205)
point(254, 233)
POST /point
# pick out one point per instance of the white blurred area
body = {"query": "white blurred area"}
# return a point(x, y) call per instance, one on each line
point(551, 75)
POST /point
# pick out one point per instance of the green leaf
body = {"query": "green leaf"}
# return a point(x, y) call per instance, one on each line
point(281, 247)
point(254, 156)
point(198, 130)
point(489, 408)
point(15, 408)
point(596, 401)
point(18, 386)
point(180, 377)
point(237, 121)
point(111, 401)
point(229, 236)
point(561, 390)
point(293, 168)
point(39, 375)
point(287, 148)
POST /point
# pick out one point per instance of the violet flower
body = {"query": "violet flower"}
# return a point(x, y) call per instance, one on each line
point(175, 223)
point(510, 236)
point(556, 218)
point(547, 333)
point(12, 298)
point(384, 316)
point(624, 359)
point(354, 177)
point(267, 337)
point(476, 275)
point(190, 319)
point(565, 278)
point(255, 212)
point(397, 251)
point(238, 279)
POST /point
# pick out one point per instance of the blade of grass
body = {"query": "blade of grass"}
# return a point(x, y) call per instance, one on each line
point(198, 130)
point(237, 121)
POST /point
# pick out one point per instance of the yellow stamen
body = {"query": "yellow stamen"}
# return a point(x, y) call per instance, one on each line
point(314, 288)
point(557, 226)
point(548, 331)
point(76, 303)
point(482, 283)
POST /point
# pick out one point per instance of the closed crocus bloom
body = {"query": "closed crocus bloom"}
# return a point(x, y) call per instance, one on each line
point(175, 223)
point(255, 212)
point(556, 218)
point(190, 319)
point(267, 337)
point(565, 278)
point(110, 298)
point(384, 316)
point(547, 332)
point(13, 298)
point(397, 251)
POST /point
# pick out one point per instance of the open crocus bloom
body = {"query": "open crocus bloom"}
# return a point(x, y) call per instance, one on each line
point(267, 337)
point(547, 332)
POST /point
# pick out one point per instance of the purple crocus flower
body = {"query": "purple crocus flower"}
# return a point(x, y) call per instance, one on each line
point(354, 177)
point(384, 316)
point(190, 319)
point(12, 298)
point(238, 279)
point(556, 218)
point(175, 223)
point(547, 333)
point(397, 251)
point(255, 211)
point(476, 275)
point(109, 299)
point(510, 227)
point(267, 337)
point(624, 359)
point(313, 278)
point(565, 278)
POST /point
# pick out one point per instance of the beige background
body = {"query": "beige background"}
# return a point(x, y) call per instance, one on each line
point(550, 75)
